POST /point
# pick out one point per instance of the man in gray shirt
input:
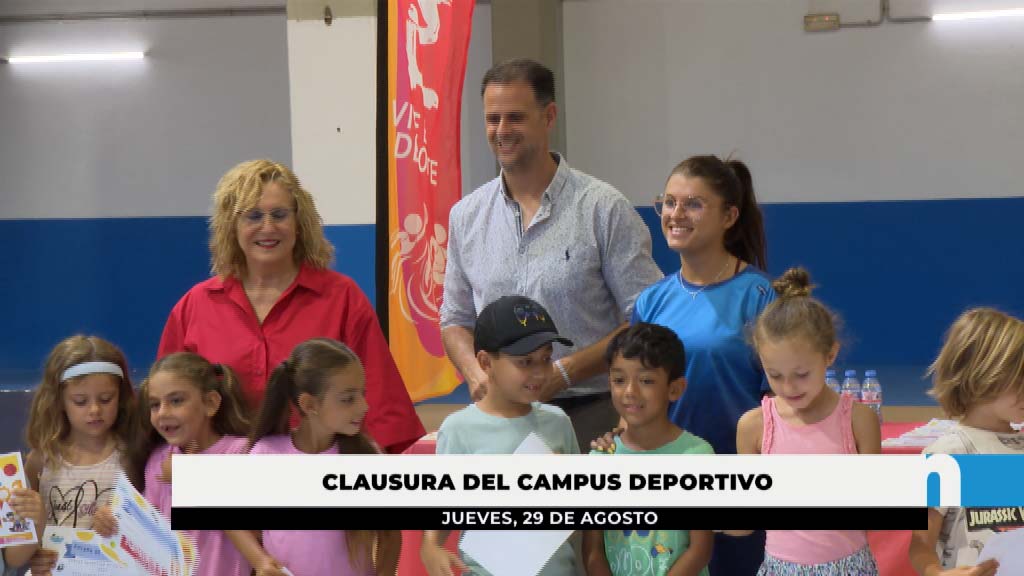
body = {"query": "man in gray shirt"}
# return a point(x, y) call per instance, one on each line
point(544, 230)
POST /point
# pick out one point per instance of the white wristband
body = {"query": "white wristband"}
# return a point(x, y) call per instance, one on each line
point(565, 374)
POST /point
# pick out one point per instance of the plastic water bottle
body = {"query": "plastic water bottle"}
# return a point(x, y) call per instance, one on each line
point(851, 386)
point(871, 392)
point(832, 382)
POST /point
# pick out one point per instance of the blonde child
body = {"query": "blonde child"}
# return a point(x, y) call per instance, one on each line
point(513, 338)
point(324, 380)
point(978, 378)
point(795, 338)
point(79, 428)
point(187, 405)
point(647, 363)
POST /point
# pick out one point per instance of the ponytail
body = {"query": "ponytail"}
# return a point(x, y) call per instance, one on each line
point(232, 418)
point(277, 400)
point(746, 239)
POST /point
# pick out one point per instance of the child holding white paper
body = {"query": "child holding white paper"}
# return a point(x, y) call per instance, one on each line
point(325, 381)
point(978, 379)
point(647, 366)
point(187, 405)
point(513, 339)
point(795, 337)
point(78, 429)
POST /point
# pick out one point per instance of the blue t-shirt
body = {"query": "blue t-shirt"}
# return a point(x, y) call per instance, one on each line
point(724, 378)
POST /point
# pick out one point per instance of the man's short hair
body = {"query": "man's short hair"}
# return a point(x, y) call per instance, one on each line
point(538, 76)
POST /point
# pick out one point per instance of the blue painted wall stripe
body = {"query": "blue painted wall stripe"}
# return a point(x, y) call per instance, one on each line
point(897, 273)
point(117, 278)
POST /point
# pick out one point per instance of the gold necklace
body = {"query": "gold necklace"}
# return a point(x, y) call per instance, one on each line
point(693, 295)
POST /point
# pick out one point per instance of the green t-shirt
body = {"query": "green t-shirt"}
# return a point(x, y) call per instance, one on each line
point(651, 552)
point(473, 431)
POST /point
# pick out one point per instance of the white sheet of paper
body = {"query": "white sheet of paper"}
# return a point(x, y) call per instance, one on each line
point(533, 444)
point(1008, 549)
point(533, 548)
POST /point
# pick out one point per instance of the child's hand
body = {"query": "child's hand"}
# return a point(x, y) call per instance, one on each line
point(43, 562)
point(28, 504)
point(165, 467)
point(271, 567)
point(438, 561)
point(606, 443)
point(104, 522)
point(986, 568)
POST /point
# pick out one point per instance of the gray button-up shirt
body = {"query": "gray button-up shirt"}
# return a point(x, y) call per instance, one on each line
point(585, 257)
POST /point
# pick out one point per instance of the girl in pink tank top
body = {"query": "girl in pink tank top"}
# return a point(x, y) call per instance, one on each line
point(186, 405)
point(795, 338)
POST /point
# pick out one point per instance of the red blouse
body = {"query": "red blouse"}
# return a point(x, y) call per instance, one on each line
point(216, 320)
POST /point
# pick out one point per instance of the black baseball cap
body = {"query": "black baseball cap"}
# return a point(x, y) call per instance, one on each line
point(515, 325)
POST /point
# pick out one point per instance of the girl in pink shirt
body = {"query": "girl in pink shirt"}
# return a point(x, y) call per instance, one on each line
point(795, 338)
point(187, 405)
point(324, 380)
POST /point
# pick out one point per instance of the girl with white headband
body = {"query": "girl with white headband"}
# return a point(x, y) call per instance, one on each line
point(78, 429)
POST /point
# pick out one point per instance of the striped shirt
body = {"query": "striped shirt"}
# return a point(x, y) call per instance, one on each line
point(585, 257)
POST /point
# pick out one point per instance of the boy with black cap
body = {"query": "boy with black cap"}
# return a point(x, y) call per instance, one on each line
point(513, 339)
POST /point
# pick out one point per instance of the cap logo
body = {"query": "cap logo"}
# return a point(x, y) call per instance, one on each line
point(523, 313)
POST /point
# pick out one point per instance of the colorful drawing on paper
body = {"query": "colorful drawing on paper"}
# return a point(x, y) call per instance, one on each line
point(14, 530)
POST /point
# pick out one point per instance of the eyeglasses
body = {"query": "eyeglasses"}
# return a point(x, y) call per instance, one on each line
point(256, 216)
point(693, 205)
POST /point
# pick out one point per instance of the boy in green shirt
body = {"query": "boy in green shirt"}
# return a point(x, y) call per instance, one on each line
point(513, 339)
point(647, 363)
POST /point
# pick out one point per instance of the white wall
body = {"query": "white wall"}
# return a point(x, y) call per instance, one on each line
point(902, 111)
point(478, 164)
point(333, 123)
point(147, 138)
point(333, 104)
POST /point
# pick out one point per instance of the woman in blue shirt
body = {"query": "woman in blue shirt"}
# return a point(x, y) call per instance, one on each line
point(709, 215)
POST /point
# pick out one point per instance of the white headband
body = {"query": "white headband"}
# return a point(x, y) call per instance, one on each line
point(91, 368)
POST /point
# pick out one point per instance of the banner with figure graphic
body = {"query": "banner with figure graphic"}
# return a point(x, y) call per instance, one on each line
point(427, 43)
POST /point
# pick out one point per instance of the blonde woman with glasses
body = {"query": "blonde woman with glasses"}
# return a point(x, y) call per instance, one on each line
point(272, 289)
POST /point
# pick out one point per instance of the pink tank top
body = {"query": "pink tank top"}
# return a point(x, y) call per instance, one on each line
point(833, 435)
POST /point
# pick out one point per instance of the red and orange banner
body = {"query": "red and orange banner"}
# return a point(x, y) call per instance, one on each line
point(427, 43)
